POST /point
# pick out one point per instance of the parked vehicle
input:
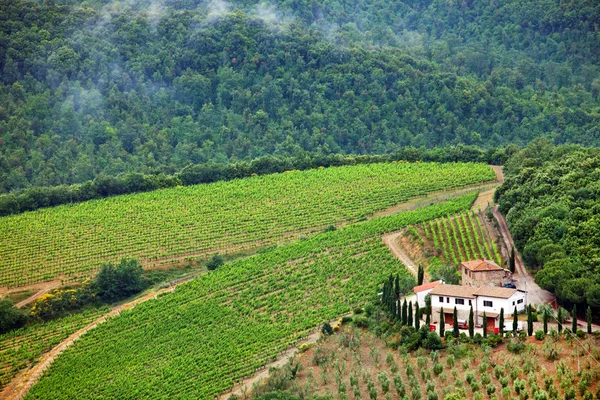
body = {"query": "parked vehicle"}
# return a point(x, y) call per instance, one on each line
point(510, 286)
point(508, 326)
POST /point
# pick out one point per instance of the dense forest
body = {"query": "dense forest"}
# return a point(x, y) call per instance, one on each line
point(550, 197)
point(100, 88)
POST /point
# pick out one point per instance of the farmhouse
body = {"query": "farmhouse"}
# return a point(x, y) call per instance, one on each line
point(483, 272)
point(423, 290)
point(483, 299)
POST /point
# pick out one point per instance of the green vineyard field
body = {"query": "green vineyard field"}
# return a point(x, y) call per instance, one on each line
point(169, 225)
point(198, 341)
point(462, 237)
point(20, 348)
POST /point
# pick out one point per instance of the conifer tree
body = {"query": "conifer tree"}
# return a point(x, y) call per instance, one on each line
point(442, 323)
point(559, 319)
point(420, 275)
point(529, 320)
point(502, 321)
point(409, 318)
point(404, 313)
point(515, 321)
point(484, 325)
point(511, 260)
point(545, 317)
point(417, 317)
point(455, 331)
point(427, 320)
point(397, 289)
point(471, 323)
point(588, 317)
point(574, 319)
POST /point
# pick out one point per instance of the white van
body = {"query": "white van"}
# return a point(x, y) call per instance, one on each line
point(508, 326)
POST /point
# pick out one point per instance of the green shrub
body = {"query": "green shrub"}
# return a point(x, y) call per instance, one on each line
point(490, 389)
point(438, 369)
point(360, 321)
point(540, 335)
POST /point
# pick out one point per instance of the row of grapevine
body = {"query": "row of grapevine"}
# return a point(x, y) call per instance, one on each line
point(20, 348)
point(198, 341)
point(155, 227)
point(462, 237)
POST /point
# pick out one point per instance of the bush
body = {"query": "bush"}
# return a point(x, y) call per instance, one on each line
point(438, 369)
point(433, 341)
point(580, 333)
point(360, 321)
point(10, 316)
point(116, 282)
point(215, 262)
point(346, 320)
point(540, 335)
point(327, 329)
point(358, 310)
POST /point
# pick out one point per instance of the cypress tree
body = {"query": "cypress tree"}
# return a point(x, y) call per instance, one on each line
point(529, 320)
point(428, 320)
point(574, 319)
point(484, 325)
point(545, 318)
point(515, 321)
point(417, 317)
point(455, 332)
point(559, 319)
point(471, 323)
point(397, 290)
point(502, 321)
point(404, 312)
point(409, 318)
point(420, 275)
point(588, 317)
point(442, 323)
point(511, 260)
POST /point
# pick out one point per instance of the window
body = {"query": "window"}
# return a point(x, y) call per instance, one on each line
point(487, 303)
point(519, 301)
point(459, 301)
point(447, 299)
point(513, 303)
point(470, 303)
point(441, 299)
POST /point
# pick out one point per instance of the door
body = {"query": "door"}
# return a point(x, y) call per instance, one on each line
point(490, 324)
point(449, 318)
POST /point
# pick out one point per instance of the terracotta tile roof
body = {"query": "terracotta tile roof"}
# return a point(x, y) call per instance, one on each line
point(466, 292)
point(489, 314)
point(426, 286)
point(481, 265)
point(494, 291)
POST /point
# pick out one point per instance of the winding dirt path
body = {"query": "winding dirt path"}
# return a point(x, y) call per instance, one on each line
point(20, 385)
point(524, 280)
point(391, 240)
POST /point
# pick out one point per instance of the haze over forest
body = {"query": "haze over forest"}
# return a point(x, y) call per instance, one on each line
point(100, 88)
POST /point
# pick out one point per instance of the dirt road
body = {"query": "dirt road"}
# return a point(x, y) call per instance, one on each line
point(392, 242)
point(524, 280)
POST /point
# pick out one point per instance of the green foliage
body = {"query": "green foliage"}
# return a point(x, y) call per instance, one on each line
point(215, 261)
point(540, 335)
point(551, 194)
point(10, 316)
point(327, 329)
point(114, 282)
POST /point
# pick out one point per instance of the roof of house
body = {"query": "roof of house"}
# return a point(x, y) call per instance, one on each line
point(495, 291)
point(489, 314)
point(481, 265)
point(426, 286)
point(466, 292)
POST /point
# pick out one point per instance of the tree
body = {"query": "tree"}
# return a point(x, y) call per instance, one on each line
point(455, 331)
point(417, 317)
point(215, 261)
point(588, 317)
point(420, 275)
point(484, 325)
point(327, 330)
point(442, 323)
point(409, 318)
point(574, 319)
point(545, 318)
point(559, 319)
point(10, 316)
point(116, 282)
point(471, 323)
point(529, 320)
point(502, 321)
point(511, 260)
point(404, 313)
point(515, 321)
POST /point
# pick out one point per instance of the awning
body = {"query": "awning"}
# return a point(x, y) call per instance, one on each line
point(489, 314)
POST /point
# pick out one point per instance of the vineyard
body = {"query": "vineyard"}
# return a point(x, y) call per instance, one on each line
point(224, 325)
point(357, 364)
point(460, 237)
point(20, 348)
point(164, 226)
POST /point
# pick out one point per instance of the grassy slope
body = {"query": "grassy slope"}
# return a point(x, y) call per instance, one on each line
point(222, 326)
point(158, 227)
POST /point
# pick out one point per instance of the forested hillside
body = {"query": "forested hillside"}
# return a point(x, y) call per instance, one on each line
point(103, 88)
point(550, 197)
